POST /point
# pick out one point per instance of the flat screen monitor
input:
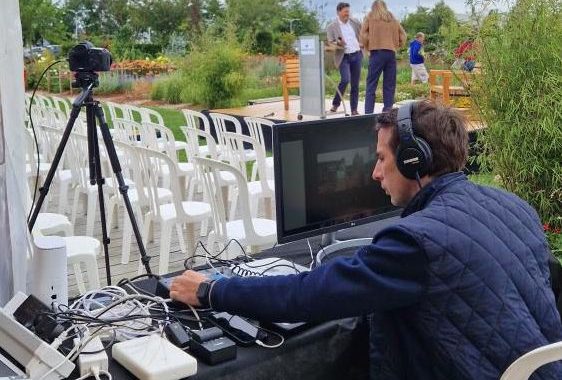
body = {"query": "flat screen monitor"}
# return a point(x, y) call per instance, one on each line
point(323, 178)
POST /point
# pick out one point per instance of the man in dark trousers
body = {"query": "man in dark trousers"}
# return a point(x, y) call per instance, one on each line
point(344, 34)
point(458, 288)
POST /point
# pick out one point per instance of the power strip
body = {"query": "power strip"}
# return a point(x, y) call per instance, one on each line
point(28, 349)
point(154, 358)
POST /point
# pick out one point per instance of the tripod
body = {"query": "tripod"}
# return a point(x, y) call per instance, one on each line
point(87, 81)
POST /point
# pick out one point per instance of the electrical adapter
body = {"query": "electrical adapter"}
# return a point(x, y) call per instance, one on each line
point(177, 334)
point(214, 351)
point(93, 356)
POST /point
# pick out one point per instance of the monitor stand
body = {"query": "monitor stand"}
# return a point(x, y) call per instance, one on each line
point(331, 245)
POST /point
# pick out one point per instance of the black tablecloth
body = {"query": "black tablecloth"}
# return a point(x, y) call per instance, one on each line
point(332, 350)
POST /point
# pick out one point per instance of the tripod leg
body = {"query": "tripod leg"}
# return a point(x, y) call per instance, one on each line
point(116, 166)
point(44, 190)
point(95, 163)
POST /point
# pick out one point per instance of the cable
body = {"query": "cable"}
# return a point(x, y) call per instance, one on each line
point(35, 137)
point(311, 254)
point(418, 179)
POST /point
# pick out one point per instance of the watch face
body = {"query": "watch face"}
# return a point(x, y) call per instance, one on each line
point(203, 290)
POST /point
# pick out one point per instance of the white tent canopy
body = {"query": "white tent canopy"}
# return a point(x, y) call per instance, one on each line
point(13, 231)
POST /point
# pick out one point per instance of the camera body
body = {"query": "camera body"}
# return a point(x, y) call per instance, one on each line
point(84, 57)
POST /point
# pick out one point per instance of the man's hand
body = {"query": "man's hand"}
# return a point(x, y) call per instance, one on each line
point(184, 287)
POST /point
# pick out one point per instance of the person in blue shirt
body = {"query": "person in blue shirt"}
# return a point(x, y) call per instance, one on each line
point(457, 288)
point(417, 60)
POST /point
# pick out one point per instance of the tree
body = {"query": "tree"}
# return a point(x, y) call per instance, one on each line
point(40, 19)
point(419, 21)
point(441, 14)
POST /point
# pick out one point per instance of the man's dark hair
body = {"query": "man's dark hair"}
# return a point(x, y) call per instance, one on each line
point(444, 129)
point(341, 6)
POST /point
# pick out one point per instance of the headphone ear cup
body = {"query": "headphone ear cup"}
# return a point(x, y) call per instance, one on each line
point(410, 160)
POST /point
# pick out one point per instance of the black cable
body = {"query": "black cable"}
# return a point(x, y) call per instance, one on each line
point(35, 137)
point(210, 256)
point(419, 180)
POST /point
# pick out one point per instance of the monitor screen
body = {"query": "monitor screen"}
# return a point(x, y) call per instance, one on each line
point(323, 177)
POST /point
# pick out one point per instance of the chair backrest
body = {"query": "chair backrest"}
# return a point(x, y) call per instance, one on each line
point(117, 111)
point(61, 104)
point(210, 174)
point(148, 115)
point(523, 368)
point(152, 167)
point(236, 155)
point(78, 162)
point(255, 126)
point(193, 138)
point(291, 74)
point(220, 120)
point(127, 131)
point(194, 119)
point(159, 137)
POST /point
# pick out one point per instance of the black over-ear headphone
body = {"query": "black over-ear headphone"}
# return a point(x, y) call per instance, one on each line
point(413, 156)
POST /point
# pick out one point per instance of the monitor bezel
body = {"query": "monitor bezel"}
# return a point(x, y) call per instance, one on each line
point(283, 237)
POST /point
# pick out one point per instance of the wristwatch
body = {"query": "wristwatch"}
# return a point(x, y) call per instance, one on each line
point(204, 293)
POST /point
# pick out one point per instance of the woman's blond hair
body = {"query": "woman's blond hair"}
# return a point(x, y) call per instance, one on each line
point(379, 11)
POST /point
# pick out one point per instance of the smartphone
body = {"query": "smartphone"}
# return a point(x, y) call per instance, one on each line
point(240, 330)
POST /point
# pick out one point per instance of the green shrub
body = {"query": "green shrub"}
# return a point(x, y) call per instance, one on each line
point(264, 42)
point(214, 70)
point(519, 96)
point(113, 82)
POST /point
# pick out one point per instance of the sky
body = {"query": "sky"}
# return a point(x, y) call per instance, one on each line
point(398, 7)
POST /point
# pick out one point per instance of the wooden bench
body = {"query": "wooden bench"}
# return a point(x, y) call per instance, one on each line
point(290, 78)
point(441, 84)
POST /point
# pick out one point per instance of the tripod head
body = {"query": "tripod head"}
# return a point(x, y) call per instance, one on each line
point(85, 80)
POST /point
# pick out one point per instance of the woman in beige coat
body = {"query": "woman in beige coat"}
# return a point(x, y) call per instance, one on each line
point(382, 35)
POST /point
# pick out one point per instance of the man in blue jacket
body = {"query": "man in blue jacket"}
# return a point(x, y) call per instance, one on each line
point(458, 288)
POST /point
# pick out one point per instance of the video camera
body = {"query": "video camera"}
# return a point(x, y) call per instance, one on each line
point(84, 58)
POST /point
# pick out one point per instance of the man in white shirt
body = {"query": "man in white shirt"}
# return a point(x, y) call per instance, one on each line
point(344, 33)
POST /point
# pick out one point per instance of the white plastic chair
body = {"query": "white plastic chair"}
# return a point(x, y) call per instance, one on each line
point(81, 250)
point(127, 131)
point(523, 368)
point(250, 232)
point(52, 137)
point(193, 137)
point(167, 215)
point(255, 126)
point(219, 121)
point(194, 120)
point(132, 172)
point(257, 189)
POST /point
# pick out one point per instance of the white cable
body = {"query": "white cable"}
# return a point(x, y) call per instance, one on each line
point(311, 254)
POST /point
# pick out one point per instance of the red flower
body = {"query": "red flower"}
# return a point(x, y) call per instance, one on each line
point(546, 227)
point(557, 231)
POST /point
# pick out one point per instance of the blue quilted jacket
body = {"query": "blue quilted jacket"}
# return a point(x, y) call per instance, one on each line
point(458, 288)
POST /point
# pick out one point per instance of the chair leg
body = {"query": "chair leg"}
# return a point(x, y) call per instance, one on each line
point(68, 230)
point(165, 236)
point(254, 203)
point(112, 214)
point(268, 207)
point(190, 238)
point(63, 197)
point(92, 272)
point(126, 242)
point(79, 278)
point(75, 206)
point(233, 205)
point(90, 217)
point(181, 240)
point(254, 171)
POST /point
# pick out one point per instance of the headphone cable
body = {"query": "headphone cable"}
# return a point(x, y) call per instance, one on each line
point(418, 179)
